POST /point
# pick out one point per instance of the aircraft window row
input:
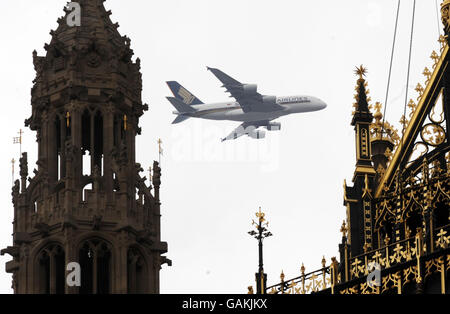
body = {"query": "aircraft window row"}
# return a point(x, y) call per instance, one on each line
point(289, 100)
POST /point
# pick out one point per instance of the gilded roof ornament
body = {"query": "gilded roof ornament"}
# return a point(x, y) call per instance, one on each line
point(435, 57)
point(282, 276)
point(426, 72)
point(442, 42)
point(361, 71)
point(344, 229)
point(412, 105)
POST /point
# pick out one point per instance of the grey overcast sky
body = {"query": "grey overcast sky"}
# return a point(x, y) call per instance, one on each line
point(211, 190)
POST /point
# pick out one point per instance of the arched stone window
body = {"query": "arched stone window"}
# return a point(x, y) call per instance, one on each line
point(51, 270)
point(137, 272)
point(95, 262)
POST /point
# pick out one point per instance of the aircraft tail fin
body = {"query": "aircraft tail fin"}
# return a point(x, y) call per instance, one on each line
point(183, 94)
point(179, 105)
point(180, 118)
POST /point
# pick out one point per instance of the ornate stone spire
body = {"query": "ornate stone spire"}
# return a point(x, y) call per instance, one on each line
point(88, 61)
point(362, 112)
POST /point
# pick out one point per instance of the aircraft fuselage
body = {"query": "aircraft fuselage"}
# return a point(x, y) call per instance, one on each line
point(232, 110)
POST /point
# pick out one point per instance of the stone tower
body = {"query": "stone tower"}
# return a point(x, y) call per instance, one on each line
point(86, 202)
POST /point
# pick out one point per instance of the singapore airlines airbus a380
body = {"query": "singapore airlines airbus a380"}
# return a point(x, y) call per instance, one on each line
point(251, 108)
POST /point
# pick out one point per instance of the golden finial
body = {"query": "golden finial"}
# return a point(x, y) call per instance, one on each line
point(323, 261)
point(378, 106)
point(344, 229)
point(250, 290)
point(282, 276)
point(361, 71)
point(302, 269)
point(260, 215)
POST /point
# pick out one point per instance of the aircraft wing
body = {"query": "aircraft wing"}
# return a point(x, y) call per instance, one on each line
point(247, 128)
point(249, 99)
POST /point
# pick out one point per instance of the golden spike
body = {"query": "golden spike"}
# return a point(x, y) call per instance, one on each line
point(302, 269)
point(282, 276)
point(323, 261)
point(344, 229)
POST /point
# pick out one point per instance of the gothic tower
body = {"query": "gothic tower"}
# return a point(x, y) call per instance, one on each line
point(87, 202)
point(358, 198)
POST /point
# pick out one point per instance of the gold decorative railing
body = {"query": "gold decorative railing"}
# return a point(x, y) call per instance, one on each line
point(307, 283)
point(397, 253)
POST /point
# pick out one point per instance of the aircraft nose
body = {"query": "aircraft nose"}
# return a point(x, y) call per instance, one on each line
point(322, 104)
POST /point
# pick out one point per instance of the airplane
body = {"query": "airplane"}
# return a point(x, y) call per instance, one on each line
point(251, 108)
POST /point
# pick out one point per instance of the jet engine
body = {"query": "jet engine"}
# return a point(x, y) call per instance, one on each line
point(269, 99)
point(250, 89)
point(257, 134)
point(274, 126)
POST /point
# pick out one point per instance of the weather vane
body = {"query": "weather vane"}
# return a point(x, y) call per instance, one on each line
point(260, 234)
point(18, 140)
